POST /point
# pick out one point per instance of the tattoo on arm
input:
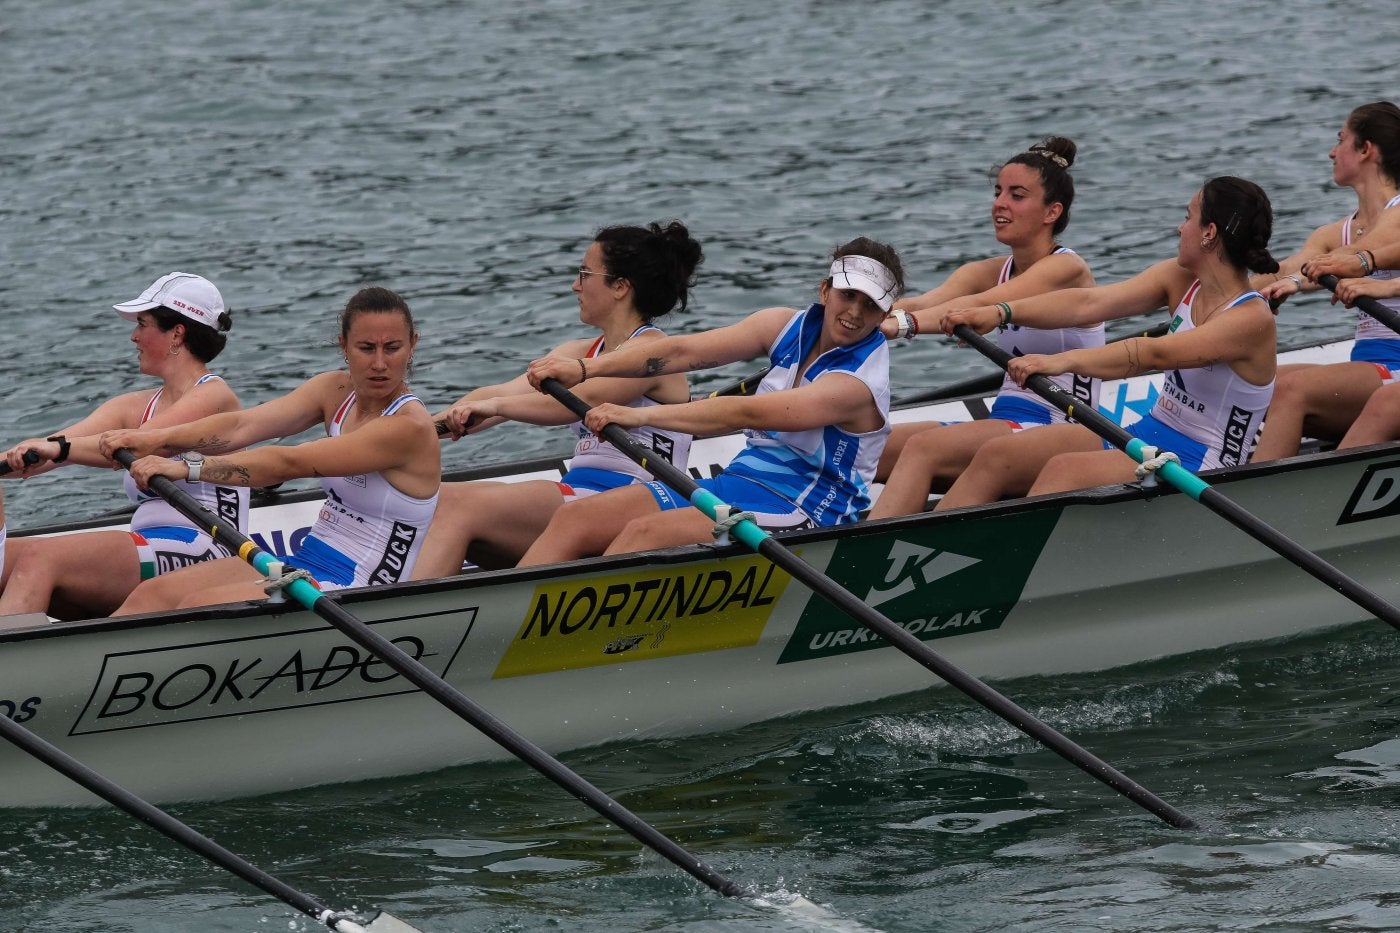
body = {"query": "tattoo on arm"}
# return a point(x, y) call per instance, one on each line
point(226, 472)
point(654, 365)
point(211, 444)
point(1134, 364)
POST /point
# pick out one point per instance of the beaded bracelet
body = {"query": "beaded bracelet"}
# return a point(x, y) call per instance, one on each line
point(582, 370)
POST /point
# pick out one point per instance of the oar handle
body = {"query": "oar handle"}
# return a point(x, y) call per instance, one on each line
point(30, 458)
point(1371, 306)
point(844, 600)
point(416, 673)
point(981, 385)
point(1079, 409)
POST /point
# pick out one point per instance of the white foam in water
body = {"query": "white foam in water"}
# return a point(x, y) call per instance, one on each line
point(813, 916)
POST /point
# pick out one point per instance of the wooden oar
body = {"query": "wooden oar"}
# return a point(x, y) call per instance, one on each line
point(990, 382)
point(1366, 303)
point(434, 686)
point(1191, 484)
point(191, 839)
point(844, 600)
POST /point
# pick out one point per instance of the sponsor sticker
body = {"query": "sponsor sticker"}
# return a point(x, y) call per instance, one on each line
point(1377, 495)
point(935, 582)
point(656, 613)
point(262, 673)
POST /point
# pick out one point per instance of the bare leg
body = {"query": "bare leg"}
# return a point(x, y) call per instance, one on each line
point(586, 527)
point(1378, 422)
point(89, 573)
point(171, 590)
point(1314, 401)
point(663, 529)
point(1064, 472)
point(506, 516)
point(932, 459)
point(1008, 466)
point(900, 435)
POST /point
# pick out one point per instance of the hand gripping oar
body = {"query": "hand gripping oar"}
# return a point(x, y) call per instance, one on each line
point(437, 688)
point(1366, 303)
point(1191, 484)
point(844, 600)
point(191, 839)
point(990, 382)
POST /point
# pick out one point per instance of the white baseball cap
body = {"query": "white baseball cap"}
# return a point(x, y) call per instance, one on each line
point(191, 295)
point(865, 275)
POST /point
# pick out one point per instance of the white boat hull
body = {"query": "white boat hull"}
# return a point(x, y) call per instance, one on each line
point(234, 701)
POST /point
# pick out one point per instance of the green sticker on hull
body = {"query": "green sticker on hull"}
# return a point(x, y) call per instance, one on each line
point(943, 579)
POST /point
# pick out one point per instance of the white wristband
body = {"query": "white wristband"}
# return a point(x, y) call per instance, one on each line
point(905, 324)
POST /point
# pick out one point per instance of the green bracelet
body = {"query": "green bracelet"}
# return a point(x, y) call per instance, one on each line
point(1005, 313)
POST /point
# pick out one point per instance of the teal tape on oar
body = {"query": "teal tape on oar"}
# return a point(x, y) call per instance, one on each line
point(1191, 484)
point(847, 602)
point(444, 693)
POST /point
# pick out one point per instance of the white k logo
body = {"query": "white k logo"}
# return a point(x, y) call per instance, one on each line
point(908, 561)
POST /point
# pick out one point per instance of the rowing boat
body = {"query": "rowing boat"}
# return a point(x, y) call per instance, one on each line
point(252, 698)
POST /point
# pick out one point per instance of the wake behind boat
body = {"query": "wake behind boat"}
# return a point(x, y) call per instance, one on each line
point(689, 640)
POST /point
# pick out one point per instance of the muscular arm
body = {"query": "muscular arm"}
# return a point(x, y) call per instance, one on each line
point(746, 340)
point(293, 413)
point(833, 398)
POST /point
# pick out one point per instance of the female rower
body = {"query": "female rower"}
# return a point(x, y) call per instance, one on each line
point(380, 465)
point(629, 277)
point(1034, 191)
point(1323, 400)
point(815, 425)
point(180, 326)
point(1219, 356)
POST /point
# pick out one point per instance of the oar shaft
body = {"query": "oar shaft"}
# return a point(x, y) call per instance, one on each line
point(158, 819)
point(992, 381)
point(1195, 487)
point(430, 683)
point(876, 621)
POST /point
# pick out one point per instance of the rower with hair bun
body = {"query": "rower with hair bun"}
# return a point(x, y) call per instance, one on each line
point(815, 426)
point(1030, 209)
point(1219, 356)
point(629, 277)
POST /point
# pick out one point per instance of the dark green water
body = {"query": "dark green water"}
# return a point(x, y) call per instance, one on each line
point(463, 154)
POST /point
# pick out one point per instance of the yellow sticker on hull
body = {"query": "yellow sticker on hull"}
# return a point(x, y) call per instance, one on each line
point(588, 621)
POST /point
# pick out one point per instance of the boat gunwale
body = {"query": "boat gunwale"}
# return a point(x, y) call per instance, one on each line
point(682, 554)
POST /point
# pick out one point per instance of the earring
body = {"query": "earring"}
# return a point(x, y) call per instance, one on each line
point(1205, 242)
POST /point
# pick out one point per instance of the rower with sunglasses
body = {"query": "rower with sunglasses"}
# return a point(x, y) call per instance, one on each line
point(630, 276)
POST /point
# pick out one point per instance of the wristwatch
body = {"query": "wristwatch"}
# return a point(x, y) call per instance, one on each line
point(194, 460)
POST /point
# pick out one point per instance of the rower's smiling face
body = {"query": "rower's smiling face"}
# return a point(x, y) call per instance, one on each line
point(850, 315)
point(1019, 210)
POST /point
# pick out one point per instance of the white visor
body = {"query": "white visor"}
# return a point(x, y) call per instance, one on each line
point(866, 276)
